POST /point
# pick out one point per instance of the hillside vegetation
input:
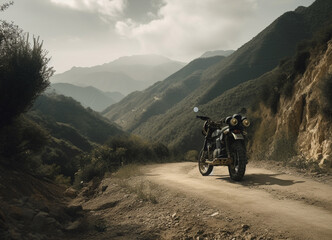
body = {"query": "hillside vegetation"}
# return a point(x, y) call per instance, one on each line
point(138, 107)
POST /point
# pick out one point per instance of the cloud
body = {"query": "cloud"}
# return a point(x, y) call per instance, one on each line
point(190, 27)
point(106, 8)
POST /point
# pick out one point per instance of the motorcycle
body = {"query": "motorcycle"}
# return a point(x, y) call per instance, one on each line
point(224, 145)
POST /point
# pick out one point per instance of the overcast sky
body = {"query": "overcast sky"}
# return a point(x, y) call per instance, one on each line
point(92, 32)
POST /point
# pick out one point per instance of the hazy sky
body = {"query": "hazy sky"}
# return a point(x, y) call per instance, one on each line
point(92, 32)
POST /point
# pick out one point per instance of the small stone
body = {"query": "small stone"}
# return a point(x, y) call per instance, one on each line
point(74, 211)
point(214, 214)
point(173, 215)
point(201, 231)
point(245, 227)
point(43, 221)
point(70, 192)
point(103, 188)
point(325, 163)
point(73, 226)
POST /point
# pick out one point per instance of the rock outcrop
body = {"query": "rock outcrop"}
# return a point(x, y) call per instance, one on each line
point(299, 127)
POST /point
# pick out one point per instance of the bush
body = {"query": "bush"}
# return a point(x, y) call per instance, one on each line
point(326, 90)
point(21, 141)
point(23, 71)
point(191, 156)
point(301, 61)
point(119, 151)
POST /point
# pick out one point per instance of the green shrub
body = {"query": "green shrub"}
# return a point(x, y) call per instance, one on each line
point(23, 72)
point(119, 151)
point(61, 179)
point(301, 61)
point(20, 141)
point(326, 90)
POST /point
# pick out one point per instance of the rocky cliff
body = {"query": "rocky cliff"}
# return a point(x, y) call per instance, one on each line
point(300, 129)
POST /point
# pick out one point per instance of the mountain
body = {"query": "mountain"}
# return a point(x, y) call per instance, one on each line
point(70, 131)
point(137, 107)
point(164, 111)
point(67, 111)
point(116, 96)
point(124, 75)
point(217, 53)
point(87, 96)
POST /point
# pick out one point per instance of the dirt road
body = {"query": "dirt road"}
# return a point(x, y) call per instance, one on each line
point(279, 203)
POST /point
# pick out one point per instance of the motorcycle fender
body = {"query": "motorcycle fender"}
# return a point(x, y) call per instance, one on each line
point(238, 136)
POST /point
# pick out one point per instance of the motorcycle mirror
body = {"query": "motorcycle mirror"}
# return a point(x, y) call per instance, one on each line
point(195, 109)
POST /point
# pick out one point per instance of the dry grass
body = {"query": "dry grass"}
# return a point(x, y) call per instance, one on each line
point(143, 189)
point(128, 178)
point(128, 171)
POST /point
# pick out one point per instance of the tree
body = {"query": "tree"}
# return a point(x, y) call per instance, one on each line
point(24, 73)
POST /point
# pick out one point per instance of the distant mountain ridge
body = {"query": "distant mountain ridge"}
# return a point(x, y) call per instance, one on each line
point(125, 75)
point(224, 53)
point(87, 96)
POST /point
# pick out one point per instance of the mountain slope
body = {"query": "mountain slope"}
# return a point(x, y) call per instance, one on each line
point(66, 110)
point(87, 96)
point(157, 99)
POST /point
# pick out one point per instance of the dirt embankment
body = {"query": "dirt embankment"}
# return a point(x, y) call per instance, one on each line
point(173, 201)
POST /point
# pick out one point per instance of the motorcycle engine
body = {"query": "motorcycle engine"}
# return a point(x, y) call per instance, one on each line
point(216, 153)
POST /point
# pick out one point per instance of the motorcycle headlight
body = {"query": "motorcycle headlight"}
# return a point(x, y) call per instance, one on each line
point(234, 122)
point(246, 122)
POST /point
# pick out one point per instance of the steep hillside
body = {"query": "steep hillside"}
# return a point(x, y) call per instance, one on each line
point(264, 51)
point(138, 107)
point(91, 97)
point(47, 139)
point(300, 128)
point(124, 75)
point(252, 60)
point(67, 111)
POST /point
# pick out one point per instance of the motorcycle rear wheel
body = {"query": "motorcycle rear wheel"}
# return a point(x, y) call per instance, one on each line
point(204, 168)
point(238, 167)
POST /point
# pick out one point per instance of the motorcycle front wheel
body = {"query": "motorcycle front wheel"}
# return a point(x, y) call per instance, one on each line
point(238, 167)
point(204, 168)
